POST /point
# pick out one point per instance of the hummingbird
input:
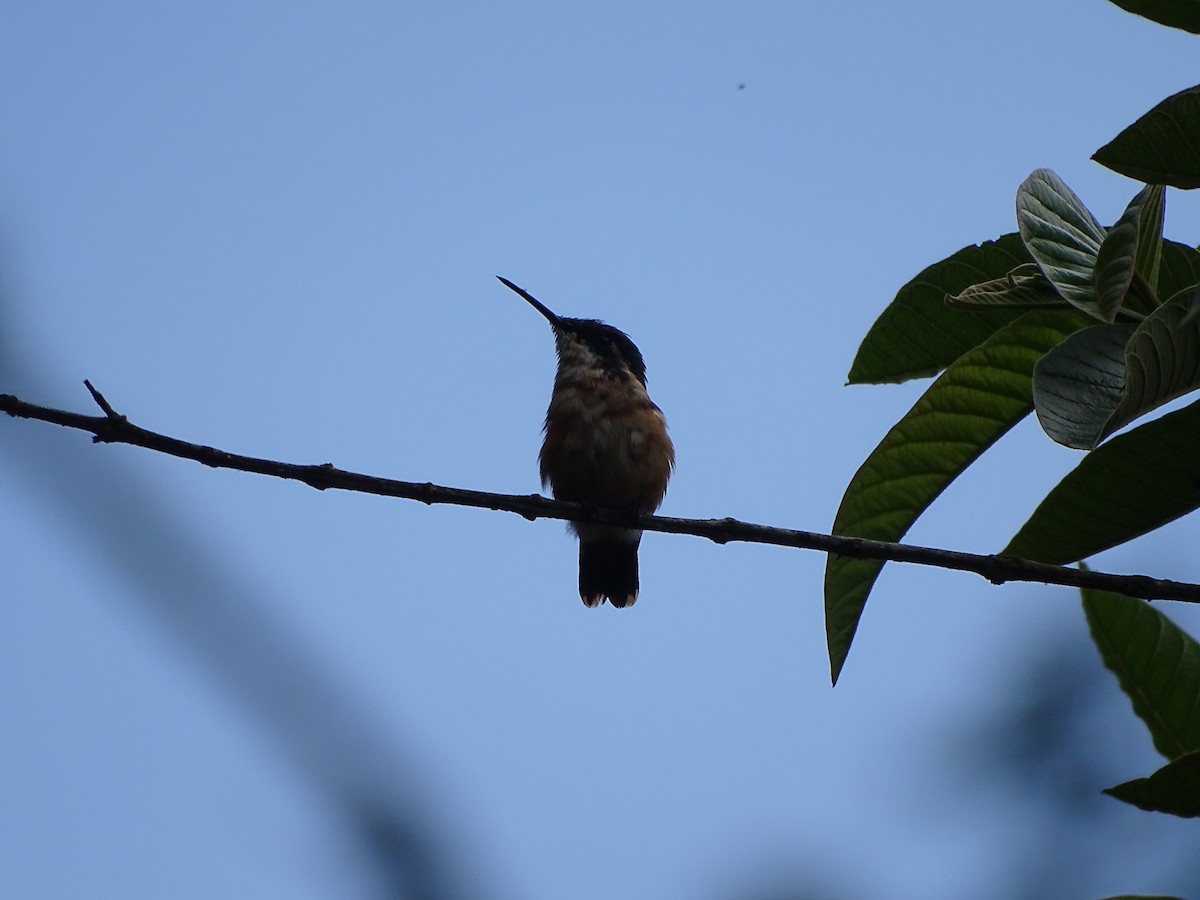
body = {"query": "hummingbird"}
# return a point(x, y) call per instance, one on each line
point(606, 445)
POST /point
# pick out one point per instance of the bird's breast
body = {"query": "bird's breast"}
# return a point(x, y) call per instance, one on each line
point(606, 444)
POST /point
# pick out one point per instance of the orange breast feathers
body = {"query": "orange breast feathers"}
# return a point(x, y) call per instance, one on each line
point(606, 445)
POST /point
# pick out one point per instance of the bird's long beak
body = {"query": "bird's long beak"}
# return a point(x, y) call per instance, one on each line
point(554, 320)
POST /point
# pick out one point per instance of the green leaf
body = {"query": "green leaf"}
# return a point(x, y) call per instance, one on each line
point(976, 400)
point(1062, 236)
point(1103, 378)
point(1157, 664)
point(1174, 789)
point(1135, 483)
point(1025, 286)
point(1162, 359)
point(1180, 268)
point(1184, 14)
point(1079, 384)
point(1130, 247)
point(1163, 146)
point(1151, 212)
point(917, 335)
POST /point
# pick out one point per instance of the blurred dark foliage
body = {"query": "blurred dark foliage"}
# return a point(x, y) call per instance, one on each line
point(810, 885)
point(183, 579)
point(1066, 732)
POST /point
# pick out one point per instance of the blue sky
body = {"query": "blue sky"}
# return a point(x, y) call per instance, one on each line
point(274, 228)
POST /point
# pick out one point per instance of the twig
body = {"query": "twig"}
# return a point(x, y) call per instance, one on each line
point(100, 401)
point(115, 428)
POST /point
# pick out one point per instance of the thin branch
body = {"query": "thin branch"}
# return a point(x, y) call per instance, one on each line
point(115, 428)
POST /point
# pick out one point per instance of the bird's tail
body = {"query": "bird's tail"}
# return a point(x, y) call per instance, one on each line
point(608, 566)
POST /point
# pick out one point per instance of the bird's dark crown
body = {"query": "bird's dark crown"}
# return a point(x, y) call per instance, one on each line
point(613, 346)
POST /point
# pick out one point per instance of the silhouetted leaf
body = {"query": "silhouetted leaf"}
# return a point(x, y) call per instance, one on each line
point(1163, 146)
point(917, 336)
point(1179, 268)
point(1174, 789)
point(1184, 14)
point(1128, 486)
point(1157, 664)
point(976, 400)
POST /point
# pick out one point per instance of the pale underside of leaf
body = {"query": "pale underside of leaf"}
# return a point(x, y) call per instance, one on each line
point(1063, 237)
point(1162, 360)
point(1103, 378)
point(1151, 203)
point(1129, 256)
point(1078, 384)
point(1025, 286)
